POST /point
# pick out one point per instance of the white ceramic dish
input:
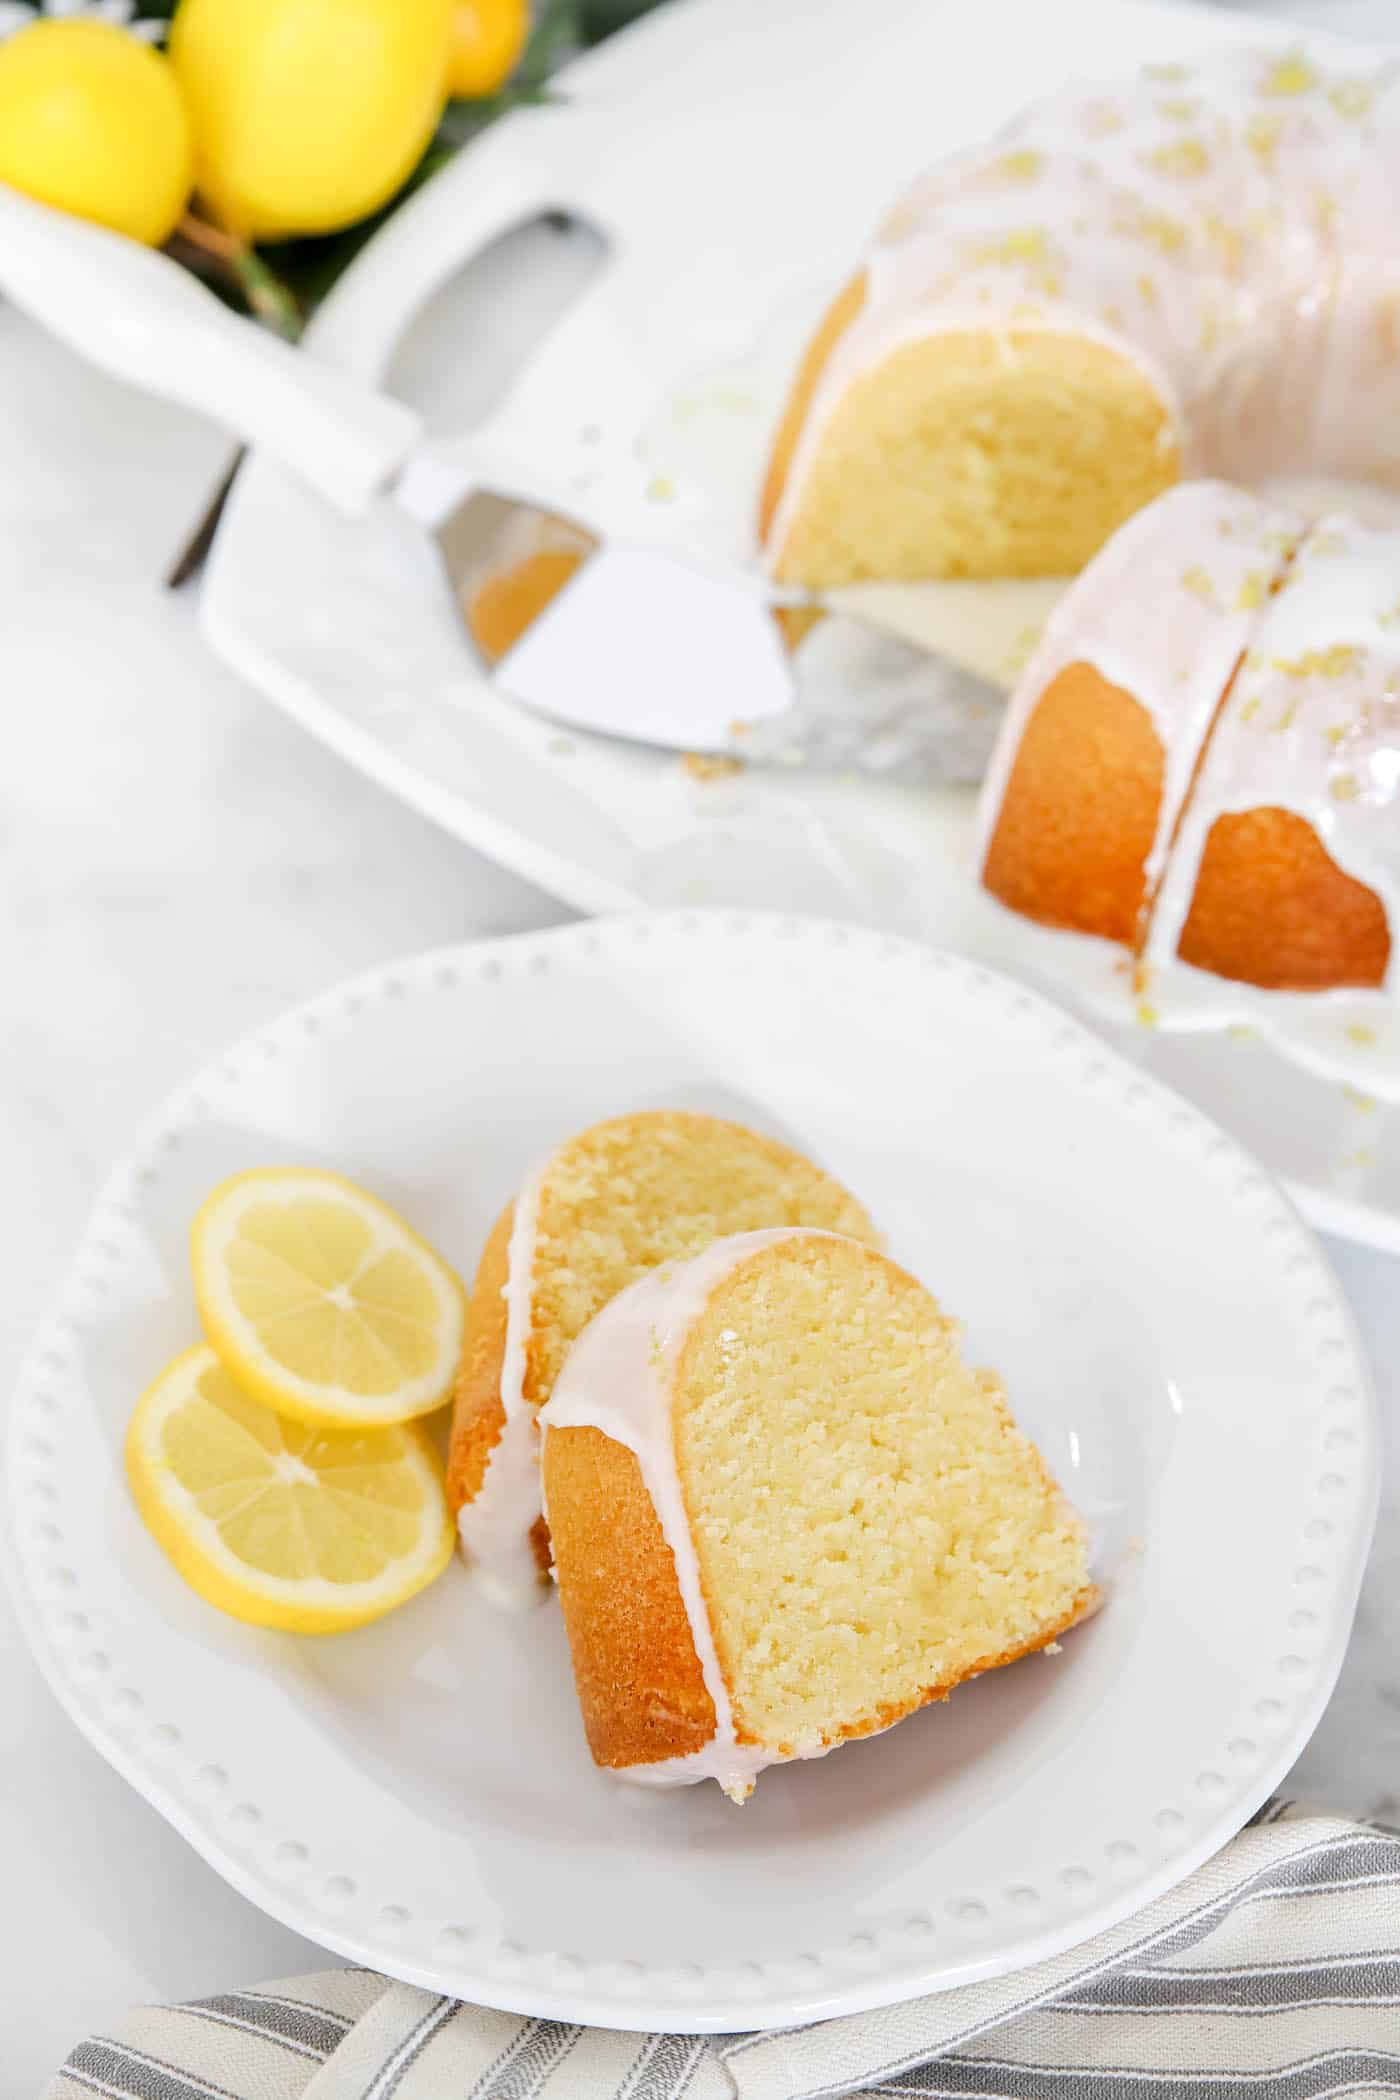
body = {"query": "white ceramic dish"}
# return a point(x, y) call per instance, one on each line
point(418, 1795)
point(721, 255)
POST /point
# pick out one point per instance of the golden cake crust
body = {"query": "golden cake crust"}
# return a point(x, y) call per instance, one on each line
point(1271, 907)
point(513, 599)
point(640, 1684)
point(833, 325)
point(1079, 814)
point(478, 1414)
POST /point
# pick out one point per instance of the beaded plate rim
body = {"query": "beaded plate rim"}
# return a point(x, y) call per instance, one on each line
point(956, 1938)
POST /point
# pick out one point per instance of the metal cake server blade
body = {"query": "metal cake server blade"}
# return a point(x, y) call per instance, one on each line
point(639, 646)
point(633, 643)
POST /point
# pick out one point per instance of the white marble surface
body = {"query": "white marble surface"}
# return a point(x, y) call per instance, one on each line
point(177, 863)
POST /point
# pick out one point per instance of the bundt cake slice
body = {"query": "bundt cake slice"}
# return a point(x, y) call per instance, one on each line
point(785, 1513)
point(1287, 861)
point(1105, 731)
point(609, 1205)
point(1200, 762)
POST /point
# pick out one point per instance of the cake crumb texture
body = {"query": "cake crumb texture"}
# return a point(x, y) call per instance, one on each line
point(644, 1189)
point(981, 454)
point(615, 1201)
point(871, 1525)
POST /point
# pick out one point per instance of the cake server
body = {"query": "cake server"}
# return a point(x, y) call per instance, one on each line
point(652, 639)
point(903, 681)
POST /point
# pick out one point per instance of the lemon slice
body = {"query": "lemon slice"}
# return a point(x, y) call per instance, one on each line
point(313, 1530)
point(322, 1302)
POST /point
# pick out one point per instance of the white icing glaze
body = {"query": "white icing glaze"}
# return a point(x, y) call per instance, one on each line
point(518, 1293)
point(1165, 611)
point(495, 1526)
point(618, 1379)
point(1313, 722)
point(1227, 226)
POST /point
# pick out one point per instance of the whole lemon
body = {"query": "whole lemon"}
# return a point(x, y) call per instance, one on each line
point(91, 120)
point(488, 37)
point(308, 114)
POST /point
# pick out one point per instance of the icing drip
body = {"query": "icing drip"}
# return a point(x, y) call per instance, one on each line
point(618, 1379)
point(519, 1294)
point(495, 1526)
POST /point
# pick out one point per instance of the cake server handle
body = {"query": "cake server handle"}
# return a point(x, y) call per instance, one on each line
point(142, 318)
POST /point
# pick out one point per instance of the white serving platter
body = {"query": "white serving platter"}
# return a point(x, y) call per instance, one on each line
point(418, 1795)
point(734, 157)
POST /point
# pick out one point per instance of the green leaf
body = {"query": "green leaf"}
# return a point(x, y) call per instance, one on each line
point(602, 18)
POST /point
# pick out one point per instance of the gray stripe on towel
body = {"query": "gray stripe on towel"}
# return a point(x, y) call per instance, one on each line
point(1314, 2078)
point(274, 2020)
point(1368, 1980)
point(526, 2061)
point(668, 2067)
point(121, 2069)
point(1353, 1858)
point(388, 2077)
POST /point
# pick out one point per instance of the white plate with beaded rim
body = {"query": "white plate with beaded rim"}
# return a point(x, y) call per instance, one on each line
point(418, 1796)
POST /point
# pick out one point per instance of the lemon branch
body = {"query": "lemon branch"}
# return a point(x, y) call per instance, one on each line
point(261, 290)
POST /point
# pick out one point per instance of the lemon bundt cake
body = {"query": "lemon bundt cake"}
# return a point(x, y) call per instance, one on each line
point(1190, 272)
point(1202, 760)
point(785, 1513)
point(606, 1207)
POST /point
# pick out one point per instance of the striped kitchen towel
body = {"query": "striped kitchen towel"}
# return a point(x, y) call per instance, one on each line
point(1274, 1970)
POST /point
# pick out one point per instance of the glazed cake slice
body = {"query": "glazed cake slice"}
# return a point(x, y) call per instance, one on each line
point(1105, 731)
point(1202, 760)
point(609, 1205)
point(785, 1513)
point(1286, 868)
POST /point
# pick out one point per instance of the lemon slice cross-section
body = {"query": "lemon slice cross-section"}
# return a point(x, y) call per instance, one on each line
point(312, 1530)
point(321, 1301)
